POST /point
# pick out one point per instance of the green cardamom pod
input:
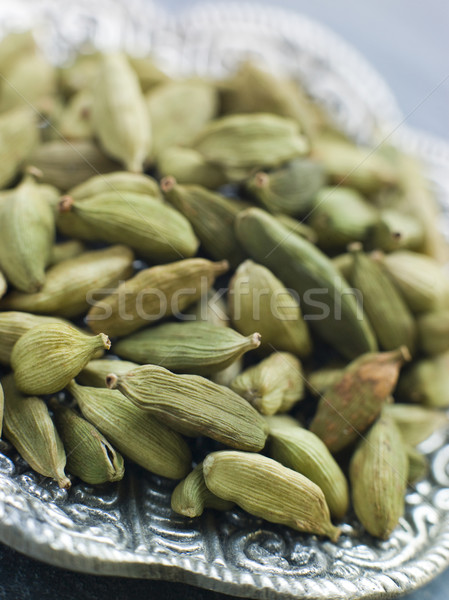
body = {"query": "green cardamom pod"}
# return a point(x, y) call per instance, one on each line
point(190, 347)
point(318, 381)
point(14, 324)
point(67, 165)
point(191, 496)
point(70, 286)
point(178, 111)
point(422, 282)
point(416, 423)
point(119, 181)
point(147, 73)
point(28, 426)
point(135, 433)
point(226, 376)
point(258, 300)
point(426, 382)
point(75, 120)
point(65, 251)
point(212, 217)
point(272, 386)
point(265, 488)
point(340, 215)
point(29, 81)
point(433, 332)
point(154, 230)
point(3, 285)
point(378, 475)
point(89, 455)
point(18, 130)
point(211, 308)
point(389, 315)
point(27, 232)
point(395, 230)
point(334, 313)
point(304, 452)
point(418, 465)
point(189, 166)
point(241, 143)
point(95, 372)
point(297, 227)
point(354, 401)
point(355, 166)
point(193, 405)
point(47, 357)
point(119, 115)
point(290, 190)
point(153, 294)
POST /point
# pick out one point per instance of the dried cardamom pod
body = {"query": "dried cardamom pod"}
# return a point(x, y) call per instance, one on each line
point(28, 426)
point(426, 382)
point(29, 81)
point(334, 313)
point(27, 232)
point(258, 300)
point(95, 372)
point(253, 89)
point(75, 120)
point(211, 308)
point(188, 166)
point(191, 496)
point(190, 347)
point(395, 230)
point(153, 294)
point(226, 376)
point(339, 216)
point(154, 230)
point(3, 284)
point(13, 325)
point(212, 217)
point(423, 283)
point(354, 166)
point(416, 423)
point(13, 46)
point(290, 190)
point(304, 452)
point(265, 488)
point(89, 455)
point(318, 381)
point(70, 286)
point(65, 251)
point(389, 315)
point(297, 227)
point(47, 357)
point(272, 386)
point(2, 408)
point(119, 114)
point(18, 130)
point(178, 111)
point(147, 73)
point(418, 466)
point(378, 475)
point(241, 143)
point(67, 164)
point(433, 332)
point(354, 401)
point(193, 405)
point(119, 181)
point(135, 433)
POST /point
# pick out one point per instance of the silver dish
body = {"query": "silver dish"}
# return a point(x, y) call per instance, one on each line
point(129, 529)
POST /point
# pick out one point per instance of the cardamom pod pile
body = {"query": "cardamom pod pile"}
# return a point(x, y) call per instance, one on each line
point(195, 258)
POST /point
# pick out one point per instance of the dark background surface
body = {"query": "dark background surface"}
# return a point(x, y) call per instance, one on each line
point(408, 42)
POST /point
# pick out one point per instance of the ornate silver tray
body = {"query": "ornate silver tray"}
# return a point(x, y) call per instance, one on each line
point(129, 529)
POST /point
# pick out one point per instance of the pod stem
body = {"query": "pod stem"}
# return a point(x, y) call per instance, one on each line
point(65, 204)
point(168, 183)
point(112, 381)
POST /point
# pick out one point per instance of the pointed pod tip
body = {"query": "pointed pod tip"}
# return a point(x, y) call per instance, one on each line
point(261, 179)
point(355, 247)
point(255, 340)
point(106, 341)
point(65, 204)
point(64, 483)
point(222, 266)
point(112, 381)
point(405, 354)
point(168, 183)
point(34, 172)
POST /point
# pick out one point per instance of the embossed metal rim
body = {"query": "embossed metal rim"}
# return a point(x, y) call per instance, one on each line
point(63, 548)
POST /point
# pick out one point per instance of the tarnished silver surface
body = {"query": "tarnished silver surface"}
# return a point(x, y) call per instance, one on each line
point(129, 529)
